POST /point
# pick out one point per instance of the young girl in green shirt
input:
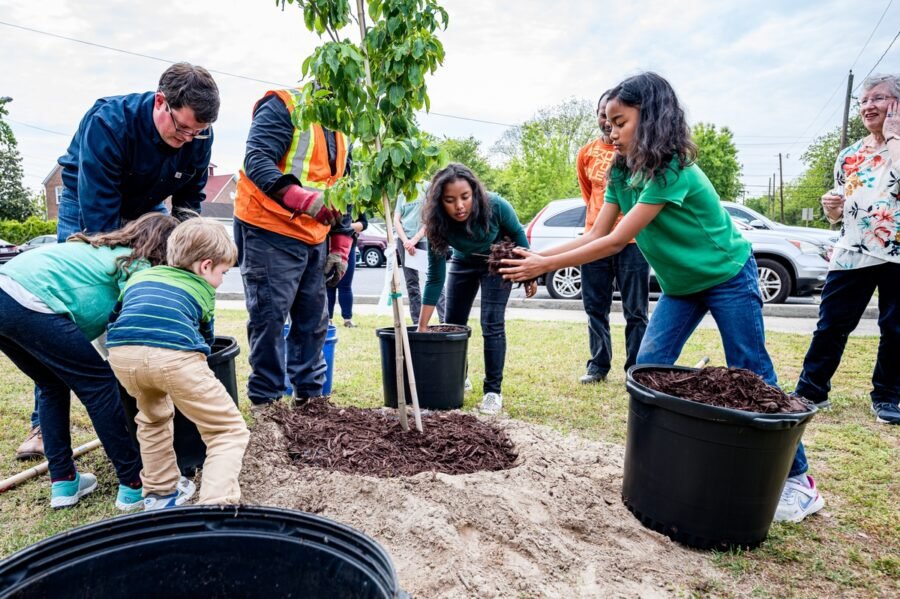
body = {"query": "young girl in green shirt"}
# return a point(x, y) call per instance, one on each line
point(701, 261)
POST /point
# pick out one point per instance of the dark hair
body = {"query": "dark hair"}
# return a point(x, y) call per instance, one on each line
point(184, 84)
point(603, 96)
point(438, 222)
point(147, 237)
point(662, 131)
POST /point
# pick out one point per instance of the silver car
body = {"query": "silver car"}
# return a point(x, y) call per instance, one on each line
point(791, 263)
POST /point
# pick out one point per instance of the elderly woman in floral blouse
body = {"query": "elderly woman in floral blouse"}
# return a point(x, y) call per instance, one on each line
point(867, 256)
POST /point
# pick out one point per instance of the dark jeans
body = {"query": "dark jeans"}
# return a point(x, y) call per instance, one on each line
point(844, 299)
point(631, 272)
point(55, 354)
point(736, 306)
point(463, 280)
point(343, 293)
point(283, 278)
point(411, 275)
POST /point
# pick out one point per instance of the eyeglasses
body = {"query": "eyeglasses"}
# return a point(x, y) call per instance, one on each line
point(873, 99)
point(192, 133)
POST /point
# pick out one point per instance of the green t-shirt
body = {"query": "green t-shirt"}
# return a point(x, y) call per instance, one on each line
point(692, 244)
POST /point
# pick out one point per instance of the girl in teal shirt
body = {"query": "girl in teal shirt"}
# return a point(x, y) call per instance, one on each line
point(701, 261)
point(53, 302)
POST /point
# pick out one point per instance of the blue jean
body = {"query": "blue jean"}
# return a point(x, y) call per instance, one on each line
point(736, 306)
point(283, 277)
point(55, 354)
point(343, 293)
point(844, 299)
point(631, 272)
point(464, 278)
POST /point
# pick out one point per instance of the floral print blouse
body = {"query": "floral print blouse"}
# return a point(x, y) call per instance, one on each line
point(870, 184)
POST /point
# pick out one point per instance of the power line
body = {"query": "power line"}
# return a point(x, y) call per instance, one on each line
point(874, 29)
point(38, 128)
point(878, 62)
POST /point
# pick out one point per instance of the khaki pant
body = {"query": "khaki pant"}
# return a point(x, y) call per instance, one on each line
point(162, 379)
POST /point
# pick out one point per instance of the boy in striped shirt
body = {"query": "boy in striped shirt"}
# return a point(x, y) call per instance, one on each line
point(158, 339)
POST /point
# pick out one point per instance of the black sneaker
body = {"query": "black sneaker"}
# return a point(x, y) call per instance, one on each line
point(886, 413)
point(822, 405)
point(591, 378)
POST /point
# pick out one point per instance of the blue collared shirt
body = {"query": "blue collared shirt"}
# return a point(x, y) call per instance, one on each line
point(118, 167)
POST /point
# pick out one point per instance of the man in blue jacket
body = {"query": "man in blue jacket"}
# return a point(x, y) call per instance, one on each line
point(128, 155)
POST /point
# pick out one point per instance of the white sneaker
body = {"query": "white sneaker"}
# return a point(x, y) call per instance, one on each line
point(799, 499)
point(184, 490)
point(491, 404)
point(468, 385)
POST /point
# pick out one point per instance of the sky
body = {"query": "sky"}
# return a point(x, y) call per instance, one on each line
point(774, 72)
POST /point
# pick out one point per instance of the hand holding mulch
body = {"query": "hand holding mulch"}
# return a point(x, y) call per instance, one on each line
point(502, 250)
point(735, 388)
point(371, 442)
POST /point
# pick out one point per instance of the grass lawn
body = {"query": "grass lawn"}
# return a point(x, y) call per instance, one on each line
point(851, 548)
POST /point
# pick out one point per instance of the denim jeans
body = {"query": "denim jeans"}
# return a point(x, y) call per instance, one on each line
point(283, 278)
point(343, 293)
point(55, 354)
point(464, 277)
point(631, 272)
point(413, 289)
point(844, 299)
point(736, 306)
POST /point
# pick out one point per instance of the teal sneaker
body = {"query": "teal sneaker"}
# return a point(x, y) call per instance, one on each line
point(129, 499)
point(66, 493)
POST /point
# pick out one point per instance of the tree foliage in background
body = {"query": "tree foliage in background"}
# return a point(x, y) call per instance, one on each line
point(402, 48)
point(718, 159)
point(18, 232)
point(16, 203)
point(467, 151)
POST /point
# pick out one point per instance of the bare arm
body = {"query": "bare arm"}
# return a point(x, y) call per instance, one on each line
point(425, 317)
point(531, 265)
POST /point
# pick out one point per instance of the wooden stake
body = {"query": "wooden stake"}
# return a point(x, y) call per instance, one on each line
point(41, 468)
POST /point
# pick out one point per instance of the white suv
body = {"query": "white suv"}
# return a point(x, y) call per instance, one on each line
point(791, 262)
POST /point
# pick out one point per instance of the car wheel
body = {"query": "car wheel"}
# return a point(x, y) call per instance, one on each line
point(774, 281)
point(373, 257)
point(565, 283)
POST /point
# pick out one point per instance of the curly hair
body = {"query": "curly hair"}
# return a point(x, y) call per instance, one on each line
point(662, 131)
point(434, 215)
point(147, 237)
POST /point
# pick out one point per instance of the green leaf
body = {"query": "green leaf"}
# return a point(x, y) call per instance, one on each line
point(396, 94)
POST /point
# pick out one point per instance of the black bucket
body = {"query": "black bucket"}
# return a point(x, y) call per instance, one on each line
point(702, 475)
point(439, 362)
point(189, 447)
point(204, 551)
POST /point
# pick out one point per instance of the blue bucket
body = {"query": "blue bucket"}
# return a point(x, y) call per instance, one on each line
point(327, 354)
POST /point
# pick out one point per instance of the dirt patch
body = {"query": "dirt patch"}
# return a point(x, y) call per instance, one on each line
point(735, 388)
point(361, 441)
point(552, 526)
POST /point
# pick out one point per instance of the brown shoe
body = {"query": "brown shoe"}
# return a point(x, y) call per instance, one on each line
point(32, 448)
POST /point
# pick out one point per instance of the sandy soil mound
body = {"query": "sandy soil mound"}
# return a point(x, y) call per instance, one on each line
point(553, 526)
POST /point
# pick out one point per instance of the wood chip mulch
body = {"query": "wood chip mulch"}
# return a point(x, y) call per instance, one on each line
point(371, 442)
point(735, 388)
point(499, 251)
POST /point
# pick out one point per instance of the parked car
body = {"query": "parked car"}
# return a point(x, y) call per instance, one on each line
point(7, 251)
point(789, 263)
point(754, 219)
point(371, 246)
point(36, 242)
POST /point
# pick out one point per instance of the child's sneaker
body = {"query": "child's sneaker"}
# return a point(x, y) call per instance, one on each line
point(66, 493)
point(467, 386)
point(799, 499)
point(128, 499)
point(183, 491)
point(491, 404)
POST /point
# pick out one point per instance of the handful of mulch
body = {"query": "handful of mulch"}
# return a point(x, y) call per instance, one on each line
point(735, 388)
point(501, 251)
point(371, 442)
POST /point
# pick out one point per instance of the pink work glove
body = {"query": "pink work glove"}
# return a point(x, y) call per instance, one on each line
point(338, 255)
point(311, 203)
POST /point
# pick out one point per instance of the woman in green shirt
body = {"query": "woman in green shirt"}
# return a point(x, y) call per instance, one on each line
point(460, 215)
point(701, 261)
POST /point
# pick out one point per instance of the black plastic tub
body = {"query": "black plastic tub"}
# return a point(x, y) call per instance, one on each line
point(204, 551)
point(705, 476)
point(189, 447)
point(439, 363)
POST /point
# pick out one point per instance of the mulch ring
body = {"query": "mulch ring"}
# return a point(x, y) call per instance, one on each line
point(735, 388)
point(370, 441)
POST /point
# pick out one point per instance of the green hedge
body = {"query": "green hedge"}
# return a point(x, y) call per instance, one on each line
point(19, 232)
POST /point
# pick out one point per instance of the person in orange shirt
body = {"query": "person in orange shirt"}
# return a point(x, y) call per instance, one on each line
point(628, 269)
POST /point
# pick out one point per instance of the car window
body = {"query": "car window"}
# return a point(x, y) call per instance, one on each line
point(574, 217)
point(738, 214)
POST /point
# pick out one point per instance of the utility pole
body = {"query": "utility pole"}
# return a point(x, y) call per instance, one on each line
point(846, 110)
point(772, 196)
point(781, 186)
